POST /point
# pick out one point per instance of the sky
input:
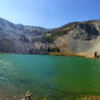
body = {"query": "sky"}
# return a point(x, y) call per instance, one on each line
point(49, 13)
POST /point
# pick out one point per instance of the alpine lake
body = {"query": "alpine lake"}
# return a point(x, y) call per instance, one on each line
point(51, 77)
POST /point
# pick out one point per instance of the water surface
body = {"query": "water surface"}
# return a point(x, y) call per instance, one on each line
point(48, 76)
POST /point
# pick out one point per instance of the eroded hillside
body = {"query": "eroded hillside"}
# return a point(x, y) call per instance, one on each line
point(76, 37)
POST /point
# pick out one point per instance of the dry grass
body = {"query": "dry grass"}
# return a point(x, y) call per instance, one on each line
point(89, 98)
point(44, 99)
point(65, 54)
point(82, 98)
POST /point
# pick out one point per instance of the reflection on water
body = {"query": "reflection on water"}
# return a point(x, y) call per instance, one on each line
point(80, 75)
point(48, 76)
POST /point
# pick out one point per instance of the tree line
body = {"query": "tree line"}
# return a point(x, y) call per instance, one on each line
point(42, 50)
point(56, 33)
point(56, 49)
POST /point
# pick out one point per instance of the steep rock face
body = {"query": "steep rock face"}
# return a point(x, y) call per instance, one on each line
point(74, 37)
point(70, 44)
point(85, 32)
point(9, 25)
point(82, 37)
point(13, 36)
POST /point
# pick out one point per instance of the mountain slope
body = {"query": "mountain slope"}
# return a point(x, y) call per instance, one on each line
point(16, 34)
point(77, 37)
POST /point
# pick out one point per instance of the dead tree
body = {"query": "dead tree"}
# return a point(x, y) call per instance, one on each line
point(27, 96)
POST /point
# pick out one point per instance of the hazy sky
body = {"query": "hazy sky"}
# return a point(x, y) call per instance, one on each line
point(49, 13)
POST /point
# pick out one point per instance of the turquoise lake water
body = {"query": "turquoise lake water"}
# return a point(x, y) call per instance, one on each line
point(54, 77)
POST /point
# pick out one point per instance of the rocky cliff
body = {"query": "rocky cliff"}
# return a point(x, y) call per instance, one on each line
point(76, 37)
point(16, 38)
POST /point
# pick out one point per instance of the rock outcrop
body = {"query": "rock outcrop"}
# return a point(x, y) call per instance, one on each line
point(76, 37)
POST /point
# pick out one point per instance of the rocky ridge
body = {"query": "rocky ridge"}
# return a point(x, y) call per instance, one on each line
point(76, 37)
